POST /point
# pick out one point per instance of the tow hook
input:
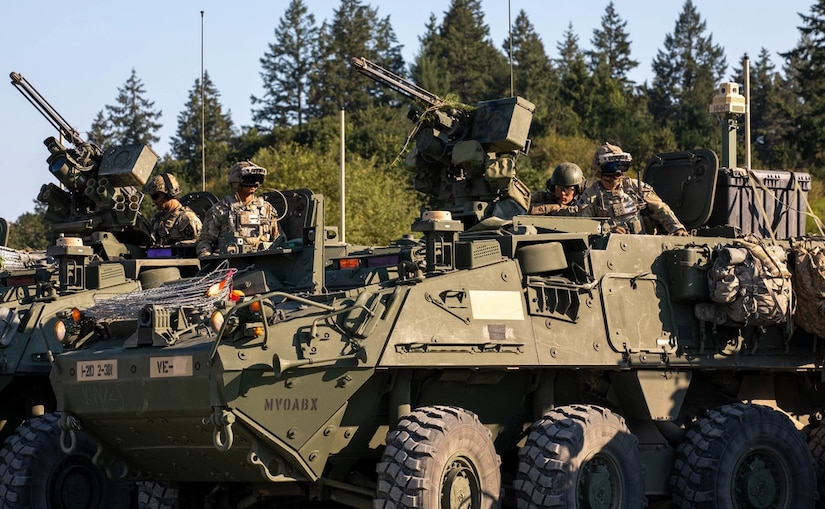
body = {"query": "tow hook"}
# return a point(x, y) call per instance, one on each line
point(69, 424)
point(222, 437)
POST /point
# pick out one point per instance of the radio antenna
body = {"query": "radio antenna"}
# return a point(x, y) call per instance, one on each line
point(203, 119)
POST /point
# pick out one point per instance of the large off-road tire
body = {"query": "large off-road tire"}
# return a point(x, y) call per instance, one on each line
point(35, 473)
point(439, 457)
point(580, 457)
point(742, 456)
point(816, 444)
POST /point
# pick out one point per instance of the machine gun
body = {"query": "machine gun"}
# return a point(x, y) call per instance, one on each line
point(99, 192)
point(464, 157)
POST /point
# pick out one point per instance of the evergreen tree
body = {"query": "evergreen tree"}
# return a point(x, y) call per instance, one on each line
point(129, 122)
point(686, 75)
point(31, 230)
point(218, 132)
point(285, 70)
point(462, 47)
point(534, 76)
point(806, 63)
point(575, 92)
point(426, 69)
point(618, 112)
point(611, 48)
point(771, 117)
point(355, 31)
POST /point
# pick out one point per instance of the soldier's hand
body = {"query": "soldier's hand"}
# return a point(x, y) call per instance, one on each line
point(204, 252)
point(681, 233)
point(619, 229)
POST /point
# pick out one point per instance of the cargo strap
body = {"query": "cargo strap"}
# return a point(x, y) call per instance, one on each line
point(758, 199)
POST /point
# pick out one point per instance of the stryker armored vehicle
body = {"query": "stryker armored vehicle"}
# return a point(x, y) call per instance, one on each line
point(100, 248)
point(503, 360)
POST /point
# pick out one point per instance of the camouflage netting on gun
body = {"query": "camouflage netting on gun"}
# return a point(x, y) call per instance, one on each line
point(809, 284)
point(200, 293)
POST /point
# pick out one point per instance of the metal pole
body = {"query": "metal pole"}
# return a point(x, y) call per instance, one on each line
point(746, 66)
point(203, 119)
point(343, 181)
point(510, 38)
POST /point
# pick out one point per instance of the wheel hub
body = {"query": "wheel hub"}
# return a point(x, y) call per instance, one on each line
point(757, 483)
point(461, 488)
point(595, 485)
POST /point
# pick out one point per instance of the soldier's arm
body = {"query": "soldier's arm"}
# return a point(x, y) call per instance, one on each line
point(209, 233)
point(662, 213)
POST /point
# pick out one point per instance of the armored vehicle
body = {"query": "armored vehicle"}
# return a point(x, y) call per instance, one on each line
point(101, 247)
point(501, 360)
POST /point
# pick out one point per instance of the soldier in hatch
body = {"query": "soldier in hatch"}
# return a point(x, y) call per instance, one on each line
point(562, 188)
point(242, 222)
point(622, 199)
point(174, 223)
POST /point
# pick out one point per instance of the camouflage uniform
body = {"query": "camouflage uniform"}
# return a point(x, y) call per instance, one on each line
point(625, 204)
point(234, 227)
point(179, 225)
point(545, 203)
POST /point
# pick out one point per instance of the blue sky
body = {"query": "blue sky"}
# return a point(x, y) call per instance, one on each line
point(77, 54)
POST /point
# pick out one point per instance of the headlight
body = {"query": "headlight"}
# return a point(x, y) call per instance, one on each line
point(216, 321)
point(60, 331)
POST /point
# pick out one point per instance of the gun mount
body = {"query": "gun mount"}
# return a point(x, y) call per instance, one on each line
point(99, 191)
point(464, 157)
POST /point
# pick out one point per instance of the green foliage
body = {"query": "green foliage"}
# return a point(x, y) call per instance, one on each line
point(686, 73)
point(131, 121)
point(806, 69)
point(355, 31)
point(31, 230)
point(202, 119)
point(380, 205)
point(285, 69)
point(462, 45)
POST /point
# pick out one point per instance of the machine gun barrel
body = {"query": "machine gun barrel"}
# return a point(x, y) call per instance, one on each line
point(395, 82)
point(53, 116)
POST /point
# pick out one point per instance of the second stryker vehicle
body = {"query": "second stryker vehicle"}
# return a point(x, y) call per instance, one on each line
point(503, 360)
point(100, 248)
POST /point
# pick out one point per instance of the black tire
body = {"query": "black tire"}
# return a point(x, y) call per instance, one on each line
point(580, 457)
point(816, 444)
point(438, 457)
point(35, 473)
point(743, 456)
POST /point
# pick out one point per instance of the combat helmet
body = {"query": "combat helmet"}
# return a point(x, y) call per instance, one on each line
point(165, 183)
point(610, 159)
point(566, 174)
point(246, 172)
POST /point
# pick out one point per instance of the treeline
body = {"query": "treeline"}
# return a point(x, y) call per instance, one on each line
point(583, 97)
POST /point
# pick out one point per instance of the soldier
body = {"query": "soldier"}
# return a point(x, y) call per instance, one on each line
point(623, 199)
point(561, 189)
point(174, 223)
point(242, 222)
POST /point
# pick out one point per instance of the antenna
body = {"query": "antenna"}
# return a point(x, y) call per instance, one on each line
point(510, 40)
point(203, 119)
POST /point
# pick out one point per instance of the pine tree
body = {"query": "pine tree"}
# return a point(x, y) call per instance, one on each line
point(771, 120)
point(534, 76)
point(806, 63)
point(426, 69)
point(129, 122)
point(575, 91)
point(462, 48)
point(31, 230)
point(686, 74)
point(218, 133)
point(611, 48)
point(285, 70)
point(355, 31)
